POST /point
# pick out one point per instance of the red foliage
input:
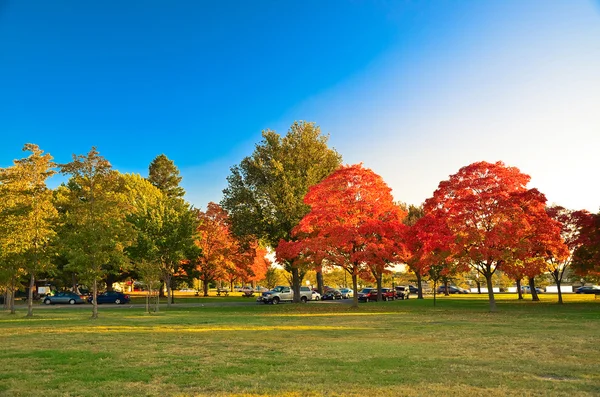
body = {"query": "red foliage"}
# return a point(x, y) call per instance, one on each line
point(251, 263)
point(495, 219)
point(429, 242)
point(586, 259)
point(353, 223)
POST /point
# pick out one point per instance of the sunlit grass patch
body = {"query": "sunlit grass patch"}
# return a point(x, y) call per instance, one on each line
point(139, 329)
point(336, 314)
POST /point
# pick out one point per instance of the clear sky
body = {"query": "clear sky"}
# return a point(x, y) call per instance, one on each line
point(414, 89)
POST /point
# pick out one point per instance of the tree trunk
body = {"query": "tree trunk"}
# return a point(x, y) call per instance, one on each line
point(478, 286)
point(12, 297)
point(355, 295)
point(557, 276)
point(446, 292)
point(434, 291)
point(320, 282)
point(205, 288)
point(161, 290)
point(379, 293)
point(157, 302)
point(171, 290)
point(534, 295)
point(30, 296)
point(519, 291)
point(296, 284)
point(148, 300)
point(168, 283)
point(95, 300)
point(419, 285)
point(488, 280)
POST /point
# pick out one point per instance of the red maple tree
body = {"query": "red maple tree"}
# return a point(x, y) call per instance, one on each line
point(353, 223)
point(494, 217)
point(586, 258)
point(429, 243)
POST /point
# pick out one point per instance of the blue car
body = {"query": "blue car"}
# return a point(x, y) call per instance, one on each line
point(111, 297)
point(63, 297)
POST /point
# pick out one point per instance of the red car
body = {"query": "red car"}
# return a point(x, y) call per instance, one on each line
point(386, 294)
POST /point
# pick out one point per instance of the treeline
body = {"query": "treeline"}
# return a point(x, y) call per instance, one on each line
point(104, 226)
point(293, 195)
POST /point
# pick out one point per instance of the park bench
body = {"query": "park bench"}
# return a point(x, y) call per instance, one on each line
point(224, 291)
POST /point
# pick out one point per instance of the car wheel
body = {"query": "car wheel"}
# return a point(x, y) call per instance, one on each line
point(47, 301)
point(384, 298)
point(303, 299)
point(72, 302)
point(118, 301)
point(275, 301)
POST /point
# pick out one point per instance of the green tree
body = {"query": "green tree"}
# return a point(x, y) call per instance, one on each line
point(165, 229)
point(94, 230)
point(146, 201)
point(29, 215)
point(265, 192)
point(163, 174)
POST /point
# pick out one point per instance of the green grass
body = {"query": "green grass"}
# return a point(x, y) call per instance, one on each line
point(392, 348)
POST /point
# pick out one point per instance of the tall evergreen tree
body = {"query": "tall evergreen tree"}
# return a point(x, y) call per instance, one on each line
point(163, 174)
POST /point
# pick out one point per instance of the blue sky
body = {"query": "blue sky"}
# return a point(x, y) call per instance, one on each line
point(413, 89)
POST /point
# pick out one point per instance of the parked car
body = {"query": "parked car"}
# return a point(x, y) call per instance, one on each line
point(63, 297)
point(527, 290)
point(111, 297)
point(371, 296)
point(402, 292)
point(362, 294)
point(347, 293)
point(413, 289)
point(316, 296)
point(284, 293)
point(589, 289)
point(452, 289)
point(332, 294)
point(388, 294)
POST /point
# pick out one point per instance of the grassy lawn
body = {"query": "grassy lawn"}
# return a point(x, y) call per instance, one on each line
point(390, 348)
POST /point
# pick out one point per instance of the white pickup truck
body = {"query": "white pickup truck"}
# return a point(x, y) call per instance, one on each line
point(284, 294)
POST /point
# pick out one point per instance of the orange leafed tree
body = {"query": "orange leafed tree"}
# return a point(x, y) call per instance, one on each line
point(219, 247)
point(250, 264)
point(353, 223)
point(494, 217)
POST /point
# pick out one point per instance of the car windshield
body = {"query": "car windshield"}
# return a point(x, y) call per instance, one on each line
point(277, 289)
point(366, 290)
